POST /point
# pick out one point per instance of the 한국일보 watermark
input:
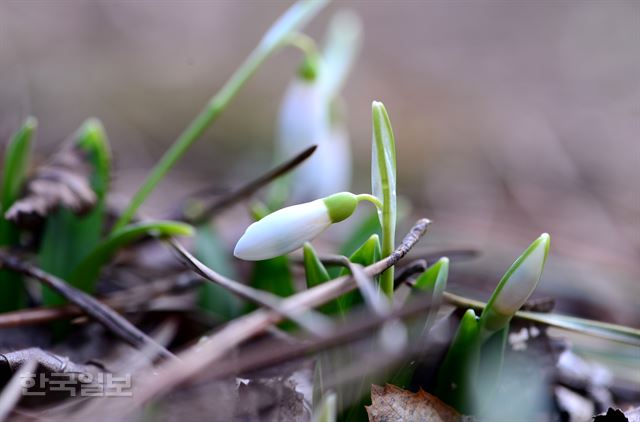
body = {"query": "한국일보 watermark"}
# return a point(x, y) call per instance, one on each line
point(101, 384)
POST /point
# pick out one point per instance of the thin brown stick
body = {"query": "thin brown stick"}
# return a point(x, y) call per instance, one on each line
point(113, 321)
point(453, 254)
point(196, 359)
point(311, 321)
point(255, 359)
point(414, 267)
point(124, 299)
point(246, 190)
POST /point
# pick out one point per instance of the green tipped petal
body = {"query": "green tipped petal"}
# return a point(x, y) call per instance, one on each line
point(341, 205)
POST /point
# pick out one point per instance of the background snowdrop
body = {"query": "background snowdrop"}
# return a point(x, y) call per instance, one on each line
point(312, 112)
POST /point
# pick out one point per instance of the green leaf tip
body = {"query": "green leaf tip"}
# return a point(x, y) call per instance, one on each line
point(517, 284)
point(315, 271)
point(434, 279)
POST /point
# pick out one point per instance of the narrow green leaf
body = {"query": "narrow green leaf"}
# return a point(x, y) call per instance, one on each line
point(68, 238)
point(274, 276)
point(603, 330)
point(314, 269)
point(490, 365)
point(366, 255)
point(434, 281)
point(361, 232)
point(431, 282)
point(86, 273)
point(316, 273)
point(16, 161)
point(383, 184)
point(213, 298)
point(328, 409)
point(515, 287)
point(457, 373)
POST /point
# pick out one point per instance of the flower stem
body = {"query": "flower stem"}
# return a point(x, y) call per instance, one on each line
point(294, 18)
point(367, 197)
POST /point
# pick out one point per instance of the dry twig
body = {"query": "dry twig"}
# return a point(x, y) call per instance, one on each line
point(311, 321)
point(91, 306)
point(197, 358)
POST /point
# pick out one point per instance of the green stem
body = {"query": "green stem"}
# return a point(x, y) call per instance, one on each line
point(367, 197)
point(304, 43)
point(294, 18)
point(386, 278)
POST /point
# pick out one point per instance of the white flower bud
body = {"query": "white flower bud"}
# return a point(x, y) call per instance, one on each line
point(289, 228)
point(517, 285)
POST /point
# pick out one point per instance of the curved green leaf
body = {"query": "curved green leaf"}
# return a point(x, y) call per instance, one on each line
point(457, 373)
point(433, 281)
point(368, 253)
point(86, 273)
point(16, 161)
point(315, 272)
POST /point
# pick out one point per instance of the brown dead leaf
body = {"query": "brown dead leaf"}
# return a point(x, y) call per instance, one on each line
point(63, 181)
point(617, 415)
point(391, 403)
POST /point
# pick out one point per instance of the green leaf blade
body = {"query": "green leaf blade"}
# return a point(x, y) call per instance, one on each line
point(315, 271)
point(68, 238)
point(86, 273)
point(16, 162)
point(368, 253)
point(383, 184)
point(212, 298)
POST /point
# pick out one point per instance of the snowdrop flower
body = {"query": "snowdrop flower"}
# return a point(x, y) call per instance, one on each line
point(289, 228)
point(308, 117)
point(311, 114)
point(516, 285)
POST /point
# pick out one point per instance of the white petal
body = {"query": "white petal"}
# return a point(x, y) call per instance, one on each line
point(304, 121)
point(283, 231)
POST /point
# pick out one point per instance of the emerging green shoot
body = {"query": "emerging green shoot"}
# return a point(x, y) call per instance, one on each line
point(383, 184)
point(515, 287)
point(68, 238)
point(368, 253)
point(458, 371)
point(314, 270)
point(16, 162)
point(433, 281)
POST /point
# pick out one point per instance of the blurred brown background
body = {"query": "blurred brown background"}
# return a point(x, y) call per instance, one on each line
point(511, 117)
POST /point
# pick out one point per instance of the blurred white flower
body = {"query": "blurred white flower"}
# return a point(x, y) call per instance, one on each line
point(311, 114)
point(289, 228)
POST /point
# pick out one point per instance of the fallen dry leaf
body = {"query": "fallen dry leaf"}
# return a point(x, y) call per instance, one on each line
point(617, 415)
point(391, 403)
point(63, 181)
